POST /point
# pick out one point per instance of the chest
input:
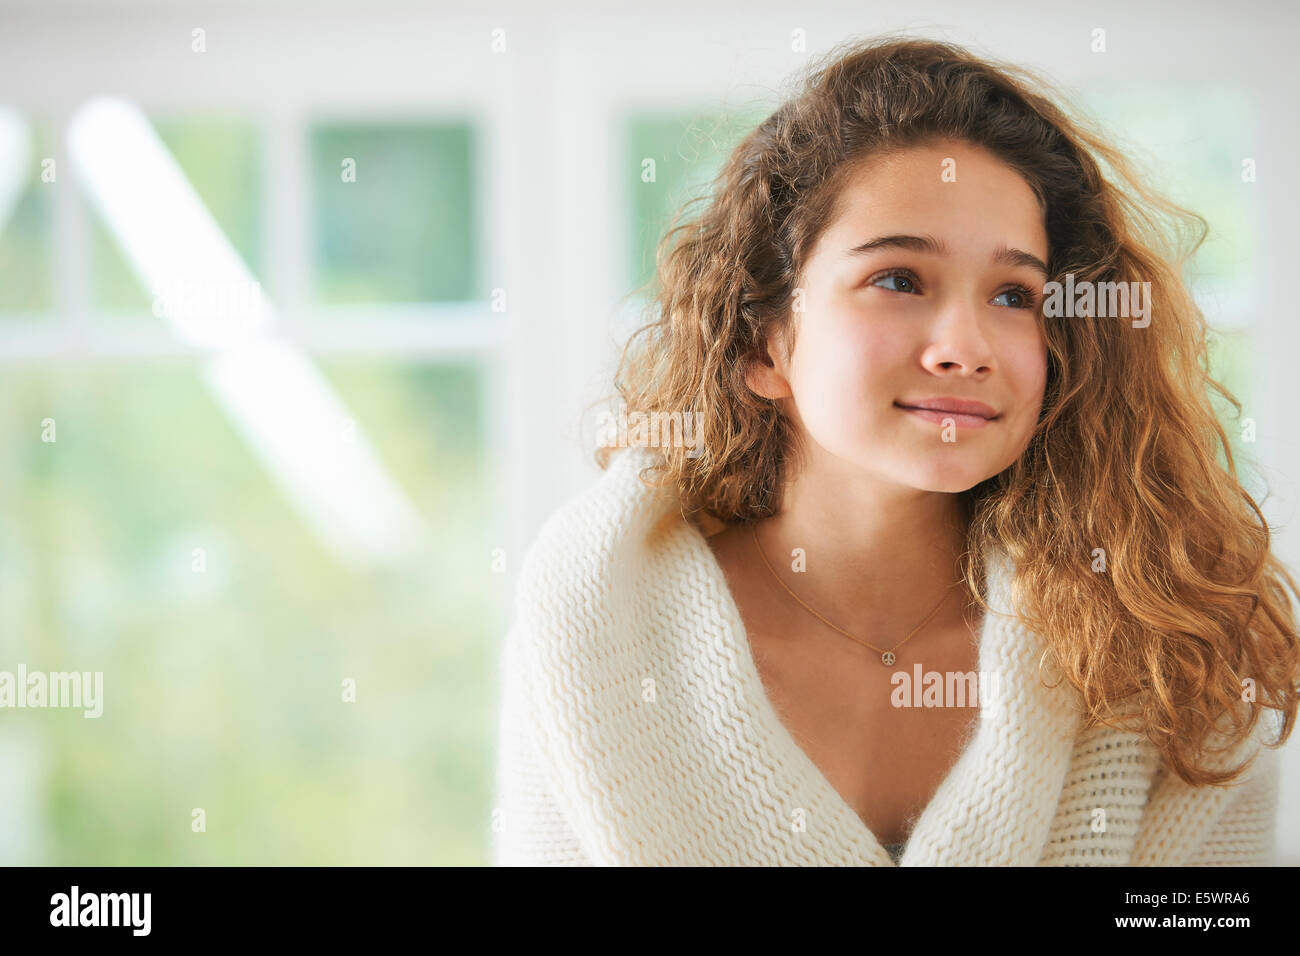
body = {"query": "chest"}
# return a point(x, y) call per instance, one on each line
point(881, 741)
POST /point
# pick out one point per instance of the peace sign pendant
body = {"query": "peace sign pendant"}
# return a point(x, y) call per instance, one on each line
point(887, 658)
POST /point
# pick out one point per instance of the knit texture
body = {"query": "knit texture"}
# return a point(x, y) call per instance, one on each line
point(635, 730)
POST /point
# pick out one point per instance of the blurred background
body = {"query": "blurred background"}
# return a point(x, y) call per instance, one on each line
point(435, 230)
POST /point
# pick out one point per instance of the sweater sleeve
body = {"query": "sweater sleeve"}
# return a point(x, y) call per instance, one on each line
point(1245, 834)
point(528, 827)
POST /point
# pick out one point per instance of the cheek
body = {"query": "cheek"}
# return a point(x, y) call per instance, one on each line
point(1036, 362)
point(1027, 364)
point(844, 373)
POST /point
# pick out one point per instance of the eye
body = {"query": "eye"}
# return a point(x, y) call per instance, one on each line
point(904, 281)
point(1024, 298)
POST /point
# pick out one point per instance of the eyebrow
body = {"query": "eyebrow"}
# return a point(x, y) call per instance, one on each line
point(1002, 255)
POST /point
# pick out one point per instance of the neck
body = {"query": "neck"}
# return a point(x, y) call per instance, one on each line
point(879, 556)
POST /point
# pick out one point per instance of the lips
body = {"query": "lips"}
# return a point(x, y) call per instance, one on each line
point(964, 413)
point(952, 406)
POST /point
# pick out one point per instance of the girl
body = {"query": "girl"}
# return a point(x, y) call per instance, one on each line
point(948, 577)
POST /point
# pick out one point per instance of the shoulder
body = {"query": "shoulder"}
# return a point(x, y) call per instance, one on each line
point(590, 544)
point(591, 619)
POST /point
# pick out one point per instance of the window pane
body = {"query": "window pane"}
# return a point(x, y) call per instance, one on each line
point(1195, 157)
point(222, 689)
point(220, 156)
point(25, 218)
point(395, 213)
point(687, 151)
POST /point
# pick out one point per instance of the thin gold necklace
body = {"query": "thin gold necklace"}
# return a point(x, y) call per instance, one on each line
point(887, 657)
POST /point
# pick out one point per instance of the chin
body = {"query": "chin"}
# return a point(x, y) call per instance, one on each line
point(948, 487)
point(946, 481)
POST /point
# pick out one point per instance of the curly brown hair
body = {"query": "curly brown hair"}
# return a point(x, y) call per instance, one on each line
point(1125, 453)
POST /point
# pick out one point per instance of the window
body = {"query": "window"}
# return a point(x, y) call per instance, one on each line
point(395, 213)
point(159, 539)
point(26, 210)
point(221, 157)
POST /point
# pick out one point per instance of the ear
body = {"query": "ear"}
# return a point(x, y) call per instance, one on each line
point(767, 376)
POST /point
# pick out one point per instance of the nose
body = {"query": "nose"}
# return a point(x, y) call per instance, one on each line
point(957, 342)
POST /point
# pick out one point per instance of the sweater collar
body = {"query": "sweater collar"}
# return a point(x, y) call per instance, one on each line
point(996, 805)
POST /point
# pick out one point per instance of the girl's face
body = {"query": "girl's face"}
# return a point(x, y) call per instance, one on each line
point(925, 290)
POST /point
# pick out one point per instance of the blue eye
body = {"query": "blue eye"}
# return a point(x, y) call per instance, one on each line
point(908, 285)
point(1024, 297)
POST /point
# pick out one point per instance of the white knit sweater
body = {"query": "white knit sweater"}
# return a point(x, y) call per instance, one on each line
point(635, 730)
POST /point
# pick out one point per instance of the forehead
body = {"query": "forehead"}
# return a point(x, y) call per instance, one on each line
point(957, 191)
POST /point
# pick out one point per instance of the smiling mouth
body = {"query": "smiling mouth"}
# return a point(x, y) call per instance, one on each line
point(942, 416)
